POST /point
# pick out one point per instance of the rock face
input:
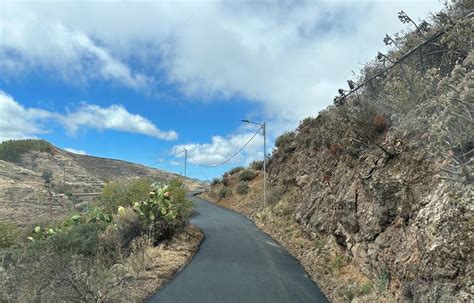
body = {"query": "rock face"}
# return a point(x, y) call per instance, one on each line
point(393, 217)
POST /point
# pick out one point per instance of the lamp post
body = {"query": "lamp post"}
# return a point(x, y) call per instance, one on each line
point(263, 127)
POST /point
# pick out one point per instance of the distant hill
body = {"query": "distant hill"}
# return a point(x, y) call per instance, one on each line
point(75, 179)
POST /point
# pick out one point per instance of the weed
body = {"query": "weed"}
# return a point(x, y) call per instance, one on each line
point(319, 243)
point(8, 235)
point(366, 289)
point(382, 280)
point(337, 262)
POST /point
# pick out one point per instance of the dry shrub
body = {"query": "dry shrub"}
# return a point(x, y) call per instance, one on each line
point(140, 259)
point(275, 194)
point(247, 175)
point(235, 170)
point(115, 240)
point(51, 277)
point(224, 193)
point(327, 179)
point(215, 181)
point(335, 149)
point(257, 165)
point(226, 180)
point(379, 121)
point(242, 188)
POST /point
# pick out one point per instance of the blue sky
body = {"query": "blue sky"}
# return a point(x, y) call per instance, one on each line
point(139, 81)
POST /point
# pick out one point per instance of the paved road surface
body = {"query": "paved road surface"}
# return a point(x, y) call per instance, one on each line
point(237, 263)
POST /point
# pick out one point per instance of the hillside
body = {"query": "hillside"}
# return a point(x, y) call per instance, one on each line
point(374, 195)
point(75, 179)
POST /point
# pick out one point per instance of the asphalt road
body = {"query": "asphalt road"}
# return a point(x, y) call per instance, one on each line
point(237, 263)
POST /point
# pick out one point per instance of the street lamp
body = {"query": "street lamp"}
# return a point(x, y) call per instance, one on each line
point(263, 127)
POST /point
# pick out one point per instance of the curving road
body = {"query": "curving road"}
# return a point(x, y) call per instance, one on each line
point(237, 263)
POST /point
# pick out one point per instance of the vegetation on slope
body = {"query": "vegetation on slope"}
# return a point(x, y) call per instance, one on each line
point(96, 255)
point(12, 150)
point(381, 182)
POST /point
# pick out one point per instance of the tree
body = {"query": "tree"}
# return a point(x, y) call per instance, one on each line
point(47, 177)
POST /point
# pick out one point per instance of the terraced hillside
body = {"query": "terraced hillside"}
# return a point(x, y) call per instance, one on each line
point(75, 180)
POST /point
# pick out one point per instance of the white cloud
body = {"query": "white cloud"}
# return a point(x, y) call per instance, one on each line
point(222, 148)
point(114, 117)
point(18, 122)
point(75, 151)
point(289, 58)
point(28, 40)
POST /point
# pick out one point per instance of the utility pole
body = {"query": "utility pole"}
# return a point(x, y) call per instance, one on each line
point(264, 165)
point(64, 177)
point(263, 126)
point(185, 160)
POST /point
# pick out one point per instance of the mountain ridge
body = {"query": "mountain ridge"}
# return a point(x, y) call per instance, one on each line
point(75, 179)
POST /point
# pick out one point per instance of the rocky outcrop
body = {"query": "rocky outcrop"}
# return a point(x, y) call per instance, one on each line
point(394, 218)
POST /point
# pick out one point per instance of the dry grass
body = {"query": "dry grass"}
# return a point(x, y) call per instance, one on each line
point(149, 268)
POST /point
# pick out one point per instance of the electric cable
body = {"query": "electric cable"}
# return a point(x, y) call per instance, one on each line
point(232, 157)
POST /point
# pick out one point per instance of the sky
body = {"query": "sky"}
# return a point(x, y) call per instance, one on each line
point(140, 81)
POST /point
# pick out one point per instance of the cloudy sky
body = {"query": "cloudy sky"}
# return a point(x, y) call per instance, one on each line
point(139, 81)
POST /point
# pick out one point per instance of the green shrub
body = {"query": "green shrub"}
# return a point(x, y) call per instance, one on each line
point(337, 262)
point(166, 209)
point(383, 280)
point(242, 188)
point(82, 239)
point(8, 235)
point(285, 139)
point(224, 193)
point(319, 243)
point(11, 150)
point(365, 289)
point(235, 170)
point(257, 165)
point(123, 193)
point(178, 192)
point(247, 175)
point(47, 177)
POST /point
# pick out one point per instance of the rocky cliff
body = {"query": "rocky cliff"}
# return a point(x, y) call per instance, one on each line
point(387, 172)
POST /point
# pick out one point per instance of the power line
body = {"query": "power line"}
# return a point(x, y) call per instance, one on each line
point(161, 161)
point(232, 157)
point(401, 59)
